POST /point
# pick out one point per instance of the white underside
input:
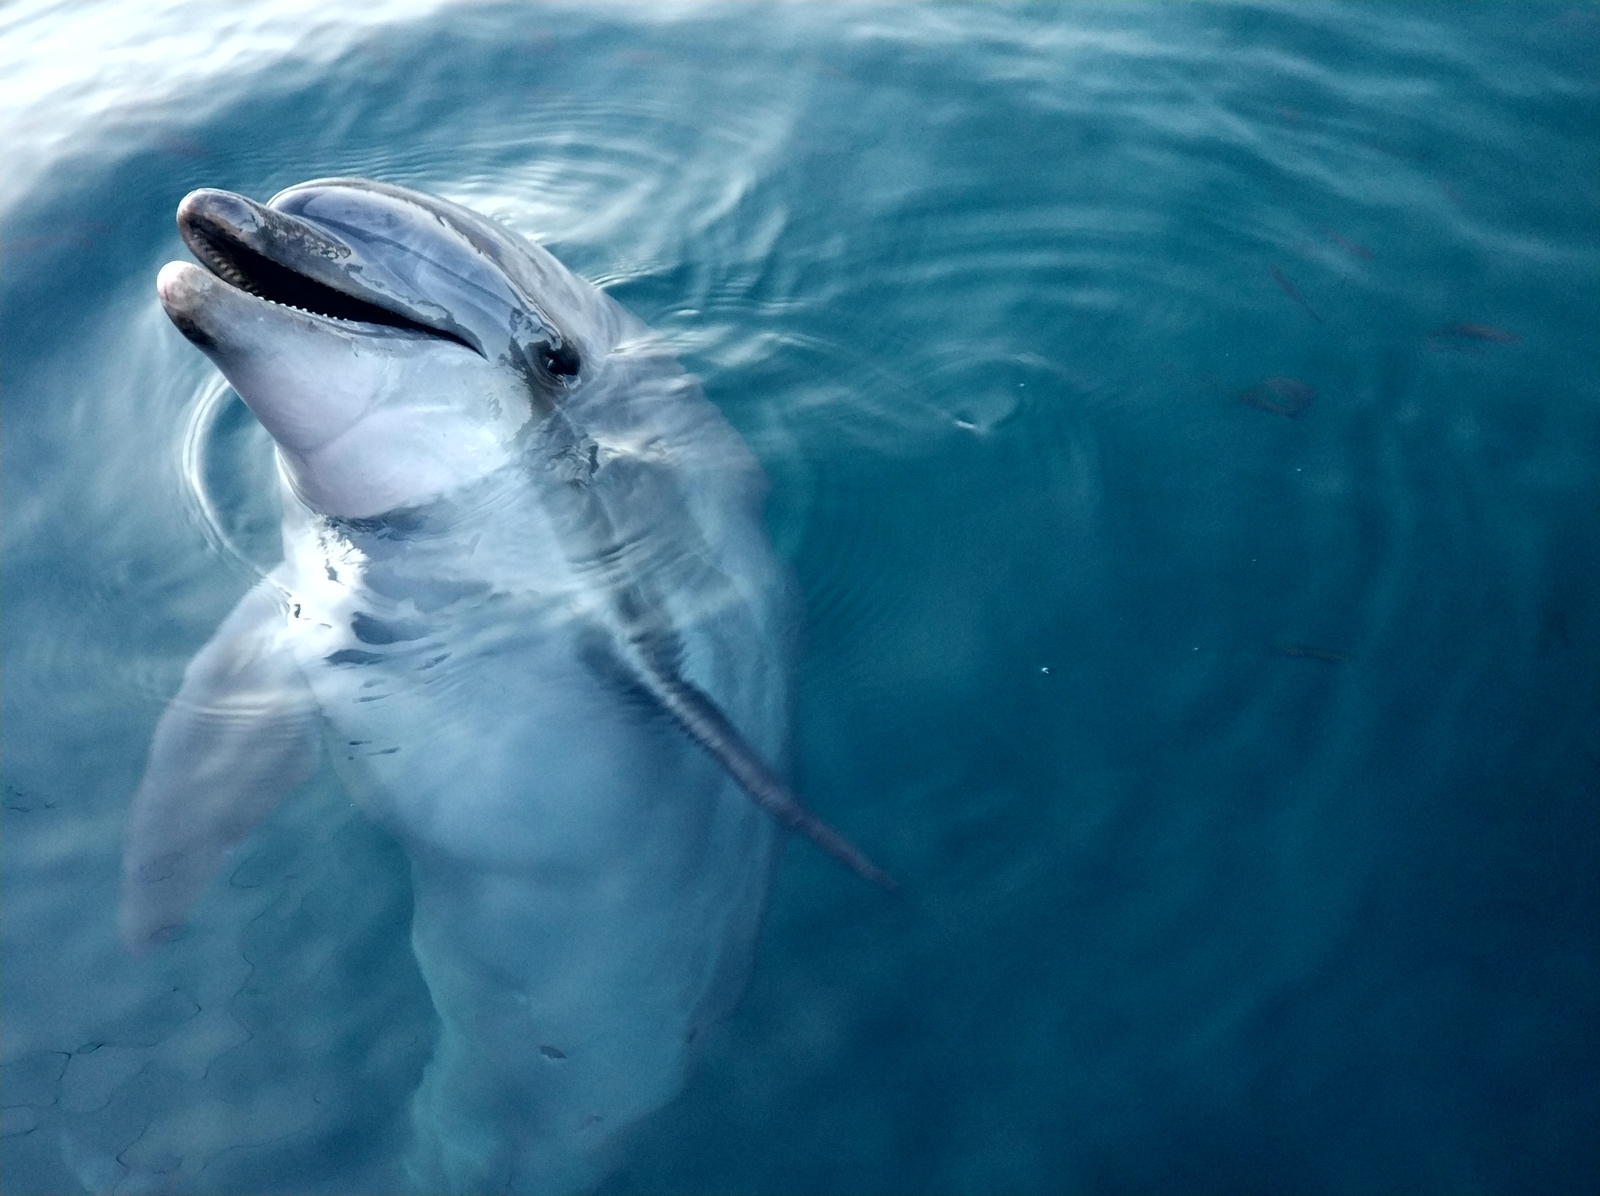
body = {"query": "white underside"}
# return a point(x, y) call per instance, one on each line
point(588, 882)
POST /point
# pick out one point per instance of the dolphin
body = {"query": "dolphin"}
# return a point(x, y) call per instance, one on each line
point(527, 608)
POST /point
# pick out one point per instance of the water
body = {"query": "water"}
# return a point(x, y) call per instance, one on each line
point(1240, 766)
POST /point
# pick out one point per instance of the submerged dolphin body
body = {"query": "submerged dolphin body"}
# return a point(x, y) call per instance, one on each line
point(527, 603)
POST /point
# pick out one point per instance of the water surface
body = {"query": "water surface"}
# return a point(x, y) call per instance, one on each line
point(1182, 423)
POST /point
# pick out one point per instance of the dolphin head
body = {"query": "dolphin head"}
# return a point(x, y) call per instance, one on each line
point(393, 344)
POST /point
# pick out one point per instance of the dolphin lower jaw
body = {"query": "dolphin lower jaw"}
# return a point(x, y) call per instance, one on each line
point(310, 380)
point(306, 399)
point(185, 291)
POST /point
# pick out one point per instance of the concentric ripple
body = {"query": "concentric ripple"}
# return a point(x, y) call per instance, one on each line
point(1180, 421)
point(231, 479)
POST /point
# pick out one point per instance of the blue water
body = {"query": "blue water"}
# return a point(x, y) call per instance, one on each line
point(1236, 742)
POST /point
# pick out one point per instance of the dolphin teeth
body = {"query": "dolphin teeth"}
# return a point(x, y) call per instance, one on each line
point(263, 271)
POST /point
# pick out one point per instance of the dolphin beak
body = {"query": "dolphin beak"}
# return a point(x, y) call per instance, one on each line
point(227, 232)
point(281, 258)
point(211, 211)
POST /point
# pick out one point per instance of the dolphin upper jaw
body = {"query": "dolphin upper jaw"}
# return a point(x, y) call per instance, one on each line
point(512, 282)
point(299, 263)
point(268, 277)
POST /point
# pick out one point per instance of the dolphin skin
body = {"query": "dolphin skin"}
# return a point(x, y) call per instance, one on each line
point(528, 609)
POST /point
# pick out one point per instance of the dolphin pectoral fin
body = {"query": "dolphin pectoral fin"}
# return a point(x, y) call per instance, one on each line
point(694, 711)
point(241, 734)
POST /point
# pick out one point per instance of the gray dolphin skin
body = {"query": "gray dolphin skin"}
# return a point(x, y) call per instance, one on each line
point(528, 610)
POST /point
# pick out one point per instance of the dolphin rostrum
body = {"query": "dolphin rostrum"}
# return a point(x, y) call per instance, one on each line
point(527, 603)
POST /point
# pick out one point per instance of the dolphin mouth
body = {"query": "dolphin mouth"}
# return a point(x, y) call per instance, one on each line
point(218, 226)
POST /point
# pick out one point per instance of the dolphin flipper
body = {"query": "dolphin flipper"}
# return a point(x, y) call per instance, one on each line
point(649, 655)
point(694, 711)
point(241, 734)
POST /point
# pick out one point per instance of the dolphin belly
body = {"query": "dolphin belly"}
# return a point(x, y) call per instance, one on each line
point(588, 883)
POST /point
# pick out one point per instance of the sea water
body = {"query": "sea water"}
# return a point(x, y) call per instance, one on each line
point(1183, 423)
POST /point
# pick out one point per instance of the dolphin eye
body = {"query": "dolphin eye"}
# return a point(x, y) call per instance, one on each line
point(562, 361)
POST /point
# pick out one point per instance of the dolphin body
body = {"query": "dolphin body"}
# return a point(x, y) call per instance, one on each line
point(527, 603)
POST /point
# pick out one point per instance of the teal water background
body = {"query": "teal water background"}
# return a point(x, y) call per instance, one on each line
point(1237, 742)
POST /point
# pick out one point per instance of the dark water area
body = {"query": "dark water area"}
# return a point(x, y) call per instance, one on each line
point(1183, 425)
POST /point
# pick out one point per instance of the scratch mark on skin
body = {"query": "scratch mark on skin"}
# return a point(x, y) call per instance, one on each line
point(53, 1082)
point(23, 802)
point(111, 1093)
point(12, 1118)
point(149, 1169)
point(233, 878)
point(1289, 290)
point(283, 1137)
